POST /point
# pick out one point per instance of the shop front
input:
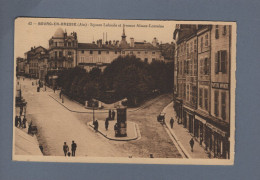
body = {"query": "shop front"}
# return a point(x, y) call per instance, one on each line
point(178, 110)
point(188, 119)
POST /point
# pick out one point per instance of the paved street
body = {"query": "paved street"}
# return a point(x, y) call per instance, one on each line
point(56, 124)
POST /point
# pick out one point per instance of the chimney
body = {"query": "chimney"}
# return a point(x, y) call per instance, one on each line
point(99, 43)
point(132, 42)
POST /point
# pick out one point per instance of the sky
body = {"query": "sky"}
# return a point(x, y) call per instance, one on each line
point(31, 32)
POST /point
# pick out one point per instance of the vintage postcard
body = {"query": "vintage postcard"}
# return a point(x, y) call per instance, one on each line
point(124, 91)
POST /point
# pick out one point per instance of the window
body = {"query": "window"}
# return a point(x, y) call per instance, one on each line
point(99, 52)
point(188, 93)
point(195, 67)
point(153, 59)
point(138, 52)
point(221, 62)
point(90, 52)
point(146, 60)
point(195, 45)
point(82, 51)
point(216, 32)
point(206, 66)
point(206, 99)
point(69, 44)
point(216, 103)
point(201, 66)
point(206, 40)
point(191, 47)
point(56, 54)
point(224, 30)
point(200, 97)
point(187, 49)
point(69, 53)
point(56, 44)
point(153, 52)
point(131, 52)
point(60, 53)
point(223, 105)
point(146, 52)
point(201, 43)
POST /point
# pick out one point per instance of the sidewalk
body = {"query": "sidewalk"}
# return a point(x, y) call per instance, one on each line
point(182, 135)
point(132, 131)
point(26, 144)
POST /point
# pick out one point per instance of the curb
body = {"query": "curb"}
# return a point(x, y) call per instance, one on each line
point(114, 139)
point(176, 138)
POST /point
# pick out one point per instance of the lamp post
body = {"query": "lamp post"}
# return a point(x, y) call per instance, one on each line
point(93, 105)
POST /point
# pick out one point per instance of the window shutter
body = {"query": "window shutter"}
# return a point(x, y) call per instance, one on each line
point(224, 61)
point(205, 65)
point(216, 63)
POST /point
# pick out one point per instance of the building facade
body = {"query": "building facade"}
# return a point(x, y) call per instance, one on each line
point(37, 59)
point(201, 88)
point(100, 54)
point(63, 50)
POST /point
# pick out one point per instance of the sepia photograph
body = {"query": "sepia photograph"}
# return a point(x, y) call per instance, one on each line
point(124, 91)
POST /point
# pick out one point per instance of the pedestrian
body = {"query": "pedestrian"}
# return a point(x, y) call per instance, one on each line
point(109, 114)
point(73, 148)
point(60, 94)
point(24, 122)
point(30, 128)
point(171, 122)
point(16, 121)
point(113, 114)
point(20, 121)
point(106, 124)
point(65, 148)
point(201, 139)
point(191, 144)
point(96, 125)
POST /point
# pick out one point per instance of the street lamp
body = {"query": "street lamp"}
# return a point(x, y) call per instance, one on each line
point(93, 105)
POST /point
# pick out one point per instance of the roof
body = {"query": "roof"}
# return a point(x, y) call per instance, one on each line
point(138, 45)
point(59, 33)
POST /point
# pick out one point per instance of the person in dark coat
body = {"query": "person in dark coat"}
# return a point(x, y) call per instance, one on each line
point(113, 114)
point(65, 148)
point(73, 148)
point(109, 114)
point(96, 125)
point(20, 121)
point(106, 123)
point(30, 128)
point(191, 144)
point(24, 122)
point(16, 121)
point(171, 122)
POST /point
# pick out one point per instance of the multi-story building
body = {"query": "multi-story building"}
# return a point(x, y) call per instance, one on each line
point(101, 54)
point(202, 86)
point(20, 65)
point(37, 59)
point(63, 50)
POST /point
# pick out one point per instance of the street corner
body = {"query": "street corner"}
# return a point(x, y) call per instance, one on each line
point(132, 131)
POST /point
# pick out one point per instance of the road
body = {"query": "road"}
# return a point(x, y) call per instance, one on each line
point(57, 125)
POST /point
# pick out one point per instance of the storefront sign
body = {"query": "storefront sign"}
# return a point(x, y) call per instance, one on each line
point(222, 133)
point(218, 85)
point(200, 119)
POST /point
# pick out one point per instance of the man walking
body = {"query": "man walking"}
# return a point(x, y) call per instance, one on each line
point(73, 148)
point(65, 148)
point(191, 144)
point(20, 121)
point(109, 114)
point(24, 122)
point(171, 122)
point(16, 121)
point(113, 114)
point(106, 123)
